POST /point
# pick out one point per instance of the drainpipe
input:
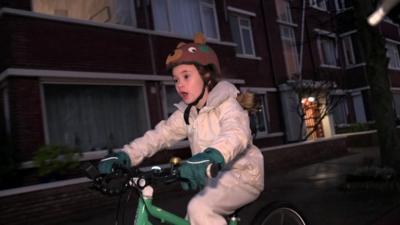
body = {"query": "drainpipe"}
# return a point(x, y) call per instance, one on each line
point(268, 41)
point(282, 127)
point(150, 39)
point(302, 39)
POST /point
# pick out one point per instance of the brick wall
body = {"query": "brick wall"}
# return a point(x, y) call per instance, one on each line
point(53, 206)
point(68, 46)
point(26, 115)
point(296, 155)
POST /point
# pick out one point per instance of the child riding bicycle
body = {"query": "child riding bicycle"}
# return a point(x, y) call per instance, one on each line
point(218, 131)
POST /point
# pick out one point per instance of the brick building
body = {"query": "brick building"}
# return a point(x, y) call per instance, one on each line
point(90, 74)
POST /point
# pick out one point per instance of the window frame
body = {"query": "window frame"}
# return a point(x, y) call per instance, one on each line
point(213, 6)
point(292, 40)
point(164, 97)
point(241, 16)
point(6, 108)
point(396, 55)
point(346, 109)
point(396, 107)
point(266, 114)
point(83, 82)
point(314, 4)
point(358, 104)
point(339, 3)
point(349, 54)
point(327, 34)
point(287, 12)
point(132, 11)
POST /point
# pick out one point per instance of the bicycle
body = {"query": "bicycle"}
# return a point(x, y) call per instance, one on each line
point(142, 182)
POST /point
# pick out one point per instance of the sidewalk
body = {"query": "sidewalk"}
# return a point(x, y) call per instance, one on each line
point(313, 189)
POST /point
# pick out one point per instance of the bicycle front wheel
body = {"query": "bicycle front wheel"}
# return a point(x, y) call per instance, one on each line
point(279, 213)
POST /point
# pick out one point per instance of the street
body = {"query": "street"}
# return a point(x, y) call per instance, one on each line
point(314, 189)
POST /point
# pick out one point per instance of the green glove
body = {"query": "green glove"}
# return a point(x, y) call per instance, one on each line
point(194, 169)
point(120, 158)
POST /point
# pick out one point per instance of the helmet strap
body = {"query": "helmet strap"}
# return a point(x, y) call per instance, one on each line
point(195, 102)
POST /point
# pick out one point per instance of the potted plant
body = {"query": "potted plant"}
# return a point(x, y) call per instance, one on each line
point(53, 161)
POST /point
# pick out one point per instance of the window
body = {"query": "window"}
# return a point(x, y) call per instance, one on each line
point(289, 49)
point(261, 116)
point(348, 51)
point(186, 17)
point(343, 4)
point(242, 34)
point(352, 53)
point(396, 101)
point(392, 52)
point(288, 38)
point(283, 9)
point(327, 50)
point(358, 105)
point(340, 111)
point(259, 120)
point(319, 4)
point(171, 97)
point(106, 11)
point(94, 117)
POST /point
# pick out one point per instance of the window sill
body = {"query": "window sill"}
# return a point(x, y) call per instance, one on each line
point(329, 66)
point(248, 57)
point(99, 154)
point(286, 23)
point(319, 9)
point(269, 135)
point(339, 11)
point(388, 21)
point(352, 66)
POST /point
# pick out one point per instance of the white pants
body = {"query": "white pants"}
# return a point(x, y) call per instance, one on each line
point(222, 196)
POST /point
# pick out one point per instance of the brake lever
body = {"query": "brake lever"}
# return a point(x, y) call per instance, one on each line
point(90, 171)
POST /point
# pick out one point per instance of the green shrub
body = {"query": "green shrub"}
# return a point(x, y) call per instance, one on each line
point(56, 160)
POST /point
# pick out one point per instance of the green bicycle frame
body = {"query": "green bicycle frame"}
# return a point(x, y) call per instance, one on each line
point(145, 208)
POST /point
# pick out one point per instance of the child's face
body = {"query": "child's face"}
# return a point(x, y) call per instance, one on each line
point(188, 82)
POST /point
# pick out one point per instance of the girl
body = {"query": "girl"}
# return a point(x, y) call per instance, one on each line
point(218, 130)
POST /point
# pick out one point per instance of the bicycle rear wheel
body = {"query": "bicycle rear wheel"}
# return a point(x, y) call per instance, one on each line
point(279, 213)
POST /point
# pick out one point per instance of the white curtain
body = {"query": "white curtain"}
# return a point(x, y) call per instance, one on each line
point(328, 48)
point(123, 12)
point(184, 17)
point(94, 117)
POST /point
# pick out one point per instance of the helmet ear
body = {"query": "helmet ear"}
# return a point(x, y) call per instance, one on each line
point(180, 44)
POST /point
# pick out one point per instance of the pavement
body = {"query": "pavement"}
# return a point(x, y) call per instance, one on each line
point(313, 189)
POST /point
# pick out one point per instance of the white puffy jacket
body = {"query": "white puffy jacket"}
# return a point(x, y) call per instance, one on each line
point(221, 124)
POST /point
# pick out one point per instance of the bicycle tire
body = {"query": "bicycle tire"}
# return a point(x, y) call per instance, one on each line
point(279, 213)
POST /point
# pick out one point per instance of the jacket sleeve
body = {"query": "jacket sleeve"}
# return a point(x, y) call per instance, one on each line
point(235, 135)
point(164, 135)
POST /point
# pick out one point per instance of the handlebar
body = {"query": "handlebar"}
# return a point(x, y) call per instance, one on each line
point(122, 178)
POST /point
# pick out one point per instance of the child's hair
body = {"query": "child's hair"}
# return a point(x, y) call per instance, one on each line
point(210, 76)
point(248, 101)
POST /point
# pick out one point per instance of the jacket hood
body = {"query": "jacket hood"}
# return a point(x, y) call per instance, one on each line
point(222, 91)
